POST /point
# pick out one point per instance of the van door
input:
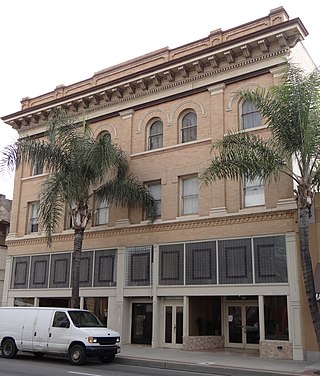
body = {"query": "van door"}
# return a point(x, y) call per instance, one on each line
point(28, 329)
point(41, 330)
point(59, 333)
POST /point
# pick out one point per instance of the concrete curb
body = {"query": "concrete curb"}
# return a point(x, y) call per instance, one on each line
point(199, 368)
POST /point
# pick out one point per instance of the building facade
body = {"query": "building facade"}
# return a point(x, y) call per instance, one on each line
point(5, 210)
point(220, 266)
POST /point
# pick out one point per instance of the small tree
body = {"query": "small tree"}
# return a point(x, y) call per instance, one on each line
point(80, 168)
point(292, 113)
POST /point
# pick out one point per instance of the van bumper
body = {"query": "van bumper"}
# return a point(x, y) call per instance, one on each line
point(102, 350)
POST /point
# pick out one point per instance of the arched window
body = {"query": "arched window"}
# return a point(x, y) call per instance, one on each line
point(189, 127)
point(251, 117)
point(105, 134)
point(155, 138)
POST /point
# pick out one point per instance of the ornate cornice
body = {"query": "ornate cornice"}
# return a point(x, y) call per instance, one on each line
point(212, 62)
point(163, 227)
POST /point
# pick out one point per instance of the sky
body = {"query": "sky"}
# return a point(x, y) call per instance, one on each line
point(46, 43)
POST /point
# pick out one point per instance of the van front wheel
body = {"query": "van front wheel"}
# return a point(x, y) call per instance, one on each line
point(77, 355)
point(9, 348)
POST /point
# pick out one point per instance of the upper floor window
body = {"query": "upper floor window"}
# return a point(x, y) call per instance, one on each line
point(102, 212)
point(105, 134)
point(37, 169)
point(33, 217)
point(155, 138)
point(155, 191)
point(251, 117)
point(189, 195)
point(189, 127)
point(253, 192)
point(68, 217)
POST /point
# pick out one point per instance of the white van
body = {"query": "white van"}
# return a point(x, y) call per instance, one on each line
point(73, 332)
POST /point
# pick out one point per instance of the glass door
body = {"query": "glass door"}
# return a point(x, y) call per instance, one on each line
point(173, 325)
point(141, 332)
point(243, 325)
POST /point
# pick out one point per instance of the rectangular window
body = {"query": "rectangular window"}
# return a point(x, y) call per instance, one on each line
point(201, 263)
point(189, 195)
point(39, 271)
point(270, 259)
point(155, 191)
point(235, 263)
point(276, 318)
point(20, 272)
point(33, 217)
point(171, 264)
point(102, 212)
point(86, 266)
point(253, 192)
point(60, 270)
point(37, 169)
point(105, 267)
point(139, 266)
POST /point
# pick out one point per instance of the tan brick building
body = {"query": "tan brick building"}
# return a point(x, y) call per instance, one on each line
point(219, 267)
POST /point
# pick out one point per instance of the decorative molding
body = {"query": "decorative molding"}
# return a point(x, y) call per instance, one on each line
point(264, 45)
point(170, 75)
point(242, 87)
point(102, 99)
point(216, 89)
point(149, 115)
point(211, 222)
point(230, 56)
point(246, 51)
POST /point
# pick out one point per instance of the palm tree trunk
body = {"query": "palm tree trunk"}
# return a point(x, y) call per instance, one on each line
point(76, 255)
point(308, 270)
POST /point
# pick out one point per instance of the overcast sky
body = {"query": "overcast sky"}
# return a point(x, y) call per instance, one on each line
point(45, 43)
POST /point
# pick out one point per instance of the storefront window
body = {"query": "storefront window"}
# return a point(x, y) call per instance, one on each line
point(98, 306)
point(23, 302)
point(276, 318)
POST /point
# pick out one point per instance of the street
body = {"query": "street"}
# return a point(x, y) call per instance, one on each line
point(27, 365)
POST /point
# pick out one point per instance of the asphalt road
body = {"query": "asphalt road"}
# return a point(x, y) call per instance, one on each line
point(27, 365)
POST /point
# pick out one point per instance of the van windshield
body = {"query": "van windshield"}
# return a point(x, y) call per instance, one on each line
point(84, 319)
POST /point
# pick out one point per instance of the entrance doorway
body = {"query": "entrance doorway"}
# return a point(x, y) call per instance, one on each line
point(141, 332)
point(173, 325)
point(243, 325)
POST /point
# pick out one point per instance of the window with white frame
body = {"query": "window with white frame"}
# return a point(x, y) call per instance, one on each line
point(37, 169)
point(33, 217)
point(253, 192)
point(250, 116)
point(189, 195)
point(68, 218)
point(155, 137)
point(189, 127)
point(155, 191)
point(102, 212)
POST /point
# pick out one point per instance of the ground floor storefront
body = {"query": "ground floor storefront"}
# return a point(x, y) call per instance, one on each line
point(238, 293)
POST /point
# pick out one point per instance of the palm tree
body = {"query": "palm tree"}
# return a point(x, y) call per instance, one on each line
point(292, 114)
point(80, 168)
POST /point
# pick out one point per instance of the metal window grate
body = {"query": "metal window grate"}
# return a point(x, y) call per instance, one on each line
point(171, 264)
point(139, 266)
point(201, 263)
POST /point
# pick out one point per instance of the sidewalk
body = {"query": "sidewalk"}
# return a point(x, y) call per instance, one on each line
point(224, 362)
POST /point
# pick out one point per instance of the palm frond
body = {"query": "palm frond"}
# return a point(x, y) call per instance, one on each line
point(51, 205)
point(244, 155)
point(128, 191)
